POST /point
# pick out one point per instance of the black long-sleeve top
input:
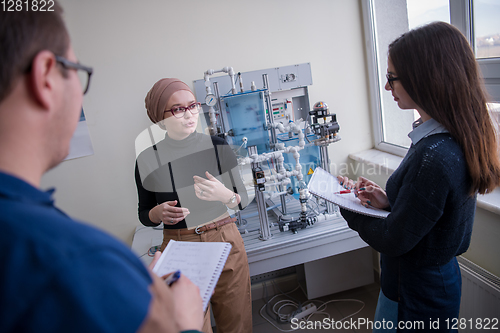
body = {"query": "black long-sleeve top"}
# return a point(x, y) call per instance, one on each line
point(164, 172)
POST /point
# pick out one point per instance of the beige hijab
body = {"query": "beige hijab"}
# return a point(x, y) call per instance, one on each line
point(157, 98)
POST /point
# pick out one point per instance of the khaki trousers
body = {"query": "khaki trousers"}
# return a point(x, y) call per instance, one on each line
point(231, 302)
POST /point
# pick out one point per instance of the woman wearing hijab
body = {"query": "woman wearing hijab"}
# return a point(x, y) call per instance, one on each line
point(188, 181)
point(432, 194)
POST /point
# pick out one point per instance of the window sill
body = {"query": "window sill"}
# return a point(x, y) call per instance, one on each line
point(389, 162)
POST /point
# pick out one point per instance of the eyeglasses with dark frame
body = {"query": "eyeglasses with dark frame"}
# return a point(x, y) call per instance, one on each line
point(391, 79)
point(179, 111)
point(73, 65)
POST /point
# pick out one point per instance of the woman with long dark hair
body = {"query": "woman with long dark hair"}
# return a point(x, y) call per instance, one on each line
point(432, 194)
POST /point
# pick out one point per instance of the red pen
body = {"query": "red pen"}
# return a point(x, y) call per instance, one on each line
point(348, 191)
point(343, 192)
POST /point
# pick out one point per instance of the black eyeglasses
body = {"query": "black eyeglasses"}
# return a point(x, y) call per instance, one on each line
point(179, 111)
point(84, 78)
point(391, 79)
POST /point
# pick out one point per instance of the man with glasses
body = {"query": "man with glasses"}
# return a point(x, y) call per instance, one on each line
point(59, 275)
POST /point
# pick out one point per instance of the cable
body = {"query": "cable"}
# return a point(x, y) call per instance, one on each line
point(344, 300)
point(305, 127)
point(153, 249)
point(267, 209)
point(315, 212)
point(270, 315)
point(281, 318)
point(160, 227)
point(139, 229)
point(297, 303)
point(269, 166)
point(283, 293)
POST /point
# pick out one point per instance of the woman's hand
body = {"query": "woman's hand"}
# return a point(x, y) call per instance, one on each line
point(345, 182)
point(211, 189)
point(368, 192)
point(167, 213)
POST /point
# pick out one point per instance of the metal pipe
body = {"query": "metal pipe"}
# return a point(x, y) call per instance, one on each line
point(217, 95)
point(325, 164)
point(274, 138)
point(265, 231)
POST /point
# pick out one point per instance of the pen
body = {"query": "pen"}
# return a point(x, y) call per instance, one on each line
point(172, 278)
point(349, 191)
point(343, 192)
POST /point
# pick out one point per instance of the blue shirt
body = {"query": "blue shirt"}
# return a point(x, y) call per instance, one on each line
point(424, 129)
point(420, 131)
point(59, 275)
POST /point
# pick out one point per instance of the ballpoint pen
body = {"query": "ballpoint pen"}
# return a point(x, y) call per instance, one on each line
point(349, 191)
point(173, 277)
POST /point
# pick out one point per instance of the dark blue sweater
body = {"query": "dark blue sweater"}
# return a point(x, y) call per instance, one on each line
point(430, 223)
point(431, 209)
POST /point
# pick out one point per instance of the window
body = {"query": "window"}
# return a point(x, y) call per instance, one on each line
point(385, 20)
point(486, 29)
point(421, 12)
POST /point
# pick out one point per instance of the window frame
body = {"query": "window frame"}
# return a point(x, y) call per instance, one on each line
point(461, 16)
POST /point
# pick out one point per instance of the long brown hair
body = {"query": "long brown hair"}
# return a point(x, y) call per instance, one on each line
point(437, 68)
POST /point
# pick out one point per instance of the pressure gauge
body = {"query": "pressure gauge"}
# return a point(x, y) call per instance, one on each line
point(210, 100)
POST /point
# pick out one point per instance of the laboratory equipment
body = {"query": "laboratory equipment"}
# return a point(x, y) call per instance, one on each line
point(266, 126)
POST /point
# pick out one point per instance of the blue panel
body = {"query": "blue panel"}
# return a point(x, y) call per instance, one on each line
point(246, 114)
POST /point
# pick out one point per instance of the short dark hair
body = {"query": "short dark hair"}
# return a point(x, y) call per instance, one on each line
point(438, 69)
point(23, 34)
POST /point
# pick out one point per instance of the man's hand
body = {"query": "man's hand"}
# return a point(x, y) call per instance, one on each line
point(188, 304)
point(172, 309)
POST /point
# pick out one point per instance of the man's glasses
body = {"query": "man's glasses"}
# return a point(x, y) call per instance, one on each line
point(84, 72)
point(179, 111)
point(391, 79)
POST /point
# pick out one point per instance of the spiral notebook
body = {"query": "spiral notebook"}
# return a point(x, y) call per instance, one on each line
point(324, 185)
point(201, 262)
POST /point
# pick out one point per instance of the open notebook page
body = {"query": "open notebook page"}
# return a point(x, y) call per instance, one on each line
point(325, 185)
point(201, 262)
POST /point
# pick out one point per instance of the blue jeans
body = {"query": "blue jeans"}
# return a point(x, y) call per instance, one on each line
point(428, 296)
point(387, 311)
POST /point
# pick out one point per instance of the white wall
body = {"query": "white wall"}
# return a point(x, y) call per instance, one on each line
point(132, 44)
